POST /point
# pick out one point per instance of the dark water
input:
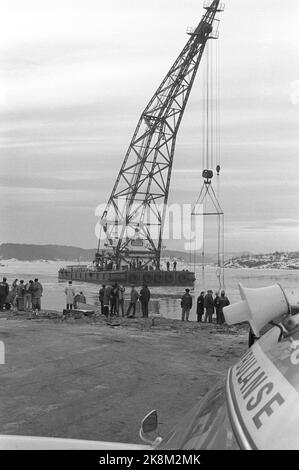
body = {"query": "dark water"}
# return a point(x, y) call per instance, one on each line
point(167, 299)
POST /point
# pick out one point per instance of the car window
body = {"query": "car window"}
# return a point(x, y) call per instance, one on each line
point(206, 426)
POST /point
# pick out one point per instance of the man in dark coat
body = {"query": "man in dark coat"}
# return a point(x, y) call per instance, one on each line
point(186, 304)
point(106, 301)
point(101, 298)
point(217, 305)
point(144, 300)
point(4, 290)
point(113, 299)
point(209, 306)
point(223, 303)
point(200, 306)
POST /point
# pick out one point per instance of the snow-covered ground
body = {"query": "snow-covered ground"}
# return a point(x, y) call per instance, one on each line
point(284, 261)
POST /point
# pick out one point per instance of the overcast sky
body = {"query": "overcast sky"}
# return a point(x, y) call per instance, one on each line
point(75, 76)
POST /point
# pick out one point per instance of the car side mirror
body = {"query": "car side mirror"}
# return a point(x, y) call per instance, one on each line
point(149, 424)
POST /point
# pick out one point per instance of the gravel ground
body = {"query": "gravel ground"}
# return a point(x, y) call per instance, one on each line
point(86, 379)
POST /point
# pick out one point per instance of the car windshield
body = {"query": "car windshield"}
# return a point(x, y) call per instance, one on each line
point(205, 427)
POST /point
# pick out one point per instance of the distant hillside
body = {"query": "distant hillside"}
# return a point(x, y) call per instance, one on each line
point(25, 252)
point(47, 252)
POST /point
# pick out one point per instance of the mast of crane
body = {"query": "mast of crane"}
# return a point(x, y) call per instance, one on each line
point(142, 184)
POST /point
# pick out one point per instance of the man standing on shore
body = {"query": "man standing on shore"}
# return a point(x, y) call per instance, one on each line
point(217, 307)
point(209, 306)
point(37, 294)
point(106, 301)
point(186, 304)
point(133, 301)
point(101, 298)
point(4, 290)
point(121, 300)
point(224, 302)
point(28, 296)
point(70, 296)
point(20, 291)
point(114, 299)
point(200, 306)
point(144, 299)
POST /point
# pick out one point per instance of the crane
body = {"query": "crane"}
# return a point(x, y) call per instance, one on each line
point(131, 225)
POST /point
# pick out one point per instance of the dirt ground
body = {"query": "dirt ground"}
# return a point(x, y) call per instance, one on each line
point(85, 379)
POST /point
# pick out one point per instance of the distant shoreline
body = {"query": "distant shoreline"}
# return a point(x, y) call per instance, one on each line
point(62, 263)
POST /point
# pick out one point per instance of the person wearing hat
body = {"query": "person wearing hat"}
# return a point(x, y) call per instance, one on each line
point(200, 306)
point(37, 295)
point(209, 306)
point(29, 289)
point(186, 305)
point(134, 296)
point(20, 292)
point(224, 302)
point(114, 299)
point(70, 296)
point(121, 300)
point(144, 300)
point(4, 290)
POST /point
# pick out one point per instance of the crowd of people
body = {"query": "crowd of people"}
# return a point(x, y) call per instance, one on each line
point(26, 296)
point(21, 295)
point(112, 300)
point(108, 263)
point(206, 306)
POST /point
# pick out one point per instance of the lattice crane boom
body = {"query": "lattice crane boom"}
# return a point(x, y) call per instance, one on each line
point(142, 185)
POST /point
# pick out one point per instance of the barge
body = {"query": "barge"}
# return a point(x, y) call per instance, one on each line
point(136, 277)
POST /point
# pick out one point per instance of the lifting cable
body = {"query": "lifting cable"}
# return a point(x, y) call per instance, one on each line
point(210, 148)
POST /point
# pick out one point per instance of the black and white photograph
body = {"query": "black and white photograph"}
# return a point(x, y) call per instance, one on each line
point(149, 228)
